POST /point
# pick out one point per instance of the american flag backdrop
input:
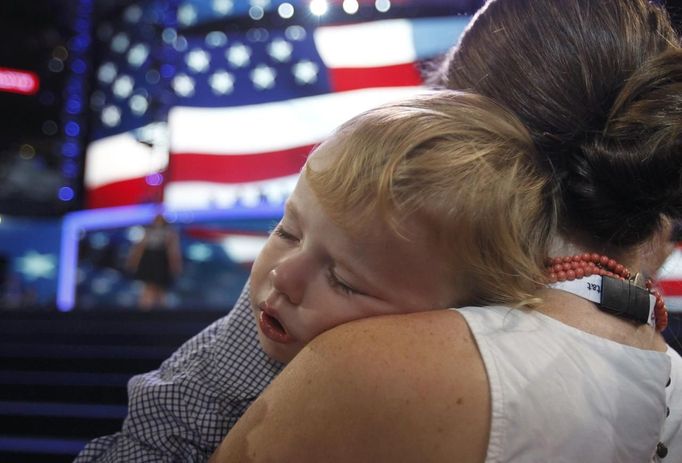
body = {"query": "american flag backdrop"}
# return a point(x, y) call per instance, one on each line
point(216, 103)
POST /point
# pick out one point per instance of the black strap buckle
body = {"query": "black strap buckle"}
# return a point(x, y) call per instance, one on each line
point(625, 299)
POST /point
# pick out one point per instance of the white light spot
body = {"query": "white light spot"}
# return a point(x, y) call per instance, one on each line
point(187, 15)
point(199, 252)
point(137, 54)
point(107, 73)
point(183, 85)
point(138, 105)
point(35, 265)
point(382, 6)
point(111, 116)
point(216, 39)
point(120, 42)
point(239, 55)
point(280, 50)
point(319, 7)
point(221, 82)
point(295, 33)
point(263, 77)
point(223, 7)
point(256, 13)
point(286, 10)
point(169, 35)
point(123, 86)
point(198, 60)
point(305, 72)
point(350, 6)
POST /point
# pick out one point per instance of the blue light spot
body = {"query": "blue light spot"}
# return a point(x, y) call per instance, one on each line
point(74, 106)
point(70, 149)
point(66, 193)
point(72, 129)
point(167, 71)
point(78, 66)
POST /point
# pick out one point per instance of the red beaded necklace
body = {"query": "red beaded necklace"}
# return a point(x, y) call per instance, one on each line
point(571, 268)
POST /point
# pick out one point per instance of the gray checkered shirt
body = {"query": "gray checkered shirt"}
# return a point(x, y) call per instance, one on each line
point(182, 411)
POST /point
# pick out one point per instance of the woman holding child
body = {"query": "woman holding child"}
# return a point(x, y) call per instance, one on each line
point(471, 202)
point(571, 374)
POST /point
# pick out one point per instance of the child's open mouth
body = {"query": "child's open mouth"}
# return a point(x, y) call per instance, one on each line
point(272, 328)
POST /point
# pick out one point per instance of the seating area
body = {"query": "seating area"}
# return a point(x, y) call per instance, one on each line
point(63, 376)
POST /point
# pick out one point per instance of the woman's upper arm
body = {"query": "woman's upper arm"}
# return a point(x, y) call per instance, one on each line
point(391, 389)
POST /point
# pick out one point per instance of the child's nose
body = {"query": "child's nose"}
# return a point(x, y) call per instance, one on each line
point(291, 275)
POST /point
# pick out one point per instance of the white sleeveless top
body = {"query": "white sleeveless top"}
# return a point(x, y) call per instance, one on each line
point(562, 395)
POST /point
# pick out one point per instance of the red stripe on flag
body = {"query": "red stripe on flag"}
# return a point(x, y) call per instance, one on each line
point(237, 168)
point(670, 287)
point(398, 75)
point(123, 193)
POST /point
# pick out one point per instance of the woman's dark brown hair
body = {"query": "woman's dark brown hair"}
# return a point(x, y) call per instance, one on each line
point(598, 83)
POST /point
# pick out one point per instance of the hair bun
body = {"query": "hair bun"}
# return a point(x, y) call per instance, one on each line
point(619, 183)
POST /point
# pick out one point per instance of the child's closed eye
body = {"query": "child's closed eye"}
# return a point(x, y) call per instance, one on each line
point(280, 232)
point(337, 283)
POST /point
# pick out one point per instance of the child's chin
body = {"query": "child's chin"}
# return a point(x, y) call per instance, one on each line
point(278, 353)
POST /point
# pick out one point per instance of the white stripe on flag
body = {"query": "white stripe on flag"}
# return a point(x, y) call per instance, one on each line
point(206, 195)
point(372, 44)
point(672, 267)
point(121, 157)
point(270, 127)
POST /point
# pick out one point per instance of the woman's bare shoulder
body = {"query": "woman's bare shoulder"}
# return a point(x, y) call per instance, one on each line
point(396, 388)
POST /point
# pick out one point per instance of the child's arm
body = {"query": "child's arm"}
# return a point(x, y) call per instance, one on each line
point(181, 411)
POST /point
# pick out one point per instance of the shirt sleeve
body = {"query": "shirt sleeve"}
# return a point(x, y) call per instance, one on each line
point(182, 411)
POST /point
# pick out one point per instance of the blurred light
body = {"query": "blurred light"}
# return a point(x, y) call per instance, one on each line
point(66, 193)
point(60, 52)
point(72, 129)
point(382, 5)
point(319, 7)
point(111, 116)
point(152, 76)
point(97, 100)
point(285, 10)
point(154, 179)
point(49, 127)
point(138, 104)
point(70, 168)
point(27, 151)
point(70, 149)
point(258, 34)
point(16, 81)
point(295, 33)
point(55, 65)
point(256, 13)
point(169, 35)
point(107, 73)
point(73, 106)
point(187, 15)
point(180, 43)
point(78, 66)
point(216, 39)
point(120, 42)
point(350, 6)
point(167, 70)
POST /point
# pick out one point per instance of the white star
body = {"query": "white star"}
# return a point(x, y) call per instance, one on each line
point(187, 15)
point(223, 7)
point(123, 86)
point(280, 50)
point(239, 55)
point(35, 265)
point(138, 54)
point(215, 39)
point(263, 77)
point(198, 60)
point(120, 42)
point(138, 104)
point(222, 82)
point(107, 73)
point(305, 72)
point(183, 85)
point(111, 116)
